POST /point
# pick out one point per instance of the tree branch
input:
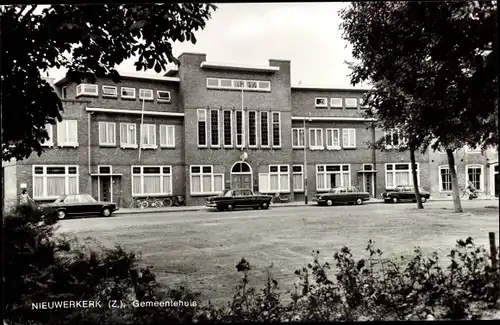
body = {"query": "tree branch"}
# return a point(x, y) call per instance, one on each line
point(28, 14)
point(21, 11)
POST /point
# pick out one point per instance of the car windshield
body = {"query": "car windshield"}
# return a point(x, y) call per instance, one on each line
point(87, 198)
point(60, 199)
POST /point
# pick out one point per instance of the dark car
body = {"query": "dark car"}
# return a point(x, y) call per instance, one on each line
point(238, 198)
point(405, 193)
point(345, 194)
point(78, 205)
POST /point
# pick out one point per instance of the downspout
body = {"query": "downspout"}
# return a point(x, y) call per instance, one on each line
point(89, 156)
point(374, 159)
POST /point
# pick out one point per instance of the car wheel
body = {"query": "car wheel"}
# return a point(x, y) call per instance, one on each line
point(61, 214)
point(264, 205)
point(229, 207)
point(395, 200)
point(423, 199)
point(106, 212)
point(329, 203)
point(359, 201)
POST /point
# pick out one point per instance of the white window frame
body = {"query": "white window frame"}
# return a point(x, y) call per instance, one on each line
point(301, 173)
point(64, 123)
point(232, 86)
point(149, 145)
point(164, 130)
point(127, 96)
point(440, 181)
point(64, 92)
point(99, 169)
point(239, 144)
point(198, 121)
point(268, 122)
point(347, 145)
point(334, 102)
point(481, 178)
point(393, 171)
point(50, 131)
point(44, 176)
point(224, 128)
point(141, 175)
point(298, 134)
point(255, 129)
point(401, 139)
point(143, 90)
point(212, 144)
point(332, 138)
point(87, 90)
point(124, 145)
point(367, 165)
point(325, 105)
point(164, 99)
point(326, 174)
point(105, 126)
point(273, 126)
point(213, 79)
point(212, 190)
point(112, 94)
point(351, 106)
point(316, 146)
point(279, 173)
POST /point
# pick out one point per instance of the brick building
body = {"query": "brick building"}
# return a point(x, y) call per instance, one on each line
point(208, 126)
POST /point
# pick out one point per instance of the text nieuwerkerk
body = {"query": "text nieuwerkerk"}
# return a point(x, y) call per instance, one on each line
point(67, 304)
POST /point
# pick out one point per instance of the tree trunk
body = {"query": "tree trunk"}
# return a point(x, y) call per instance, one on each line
point(415, 178)
point(454, 181)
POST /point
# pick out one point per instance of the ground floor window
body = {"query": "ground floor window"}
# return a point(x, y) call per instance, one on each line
point(204, 181)
point(151, 180)
point(474, 174)
point(277, 180)
point(298, 178)
point(329, 176)
point(49, 182)
point(444, 178)
point(399, 174)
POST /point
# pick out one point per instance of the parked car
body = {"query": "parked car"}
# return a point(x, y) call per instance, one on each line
point(405, 193)
point(238, 198)
point(344, 194)
point(78, 205)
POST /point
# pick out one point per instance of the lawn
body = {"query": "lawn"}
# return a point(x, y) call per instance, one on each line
point(204, 252)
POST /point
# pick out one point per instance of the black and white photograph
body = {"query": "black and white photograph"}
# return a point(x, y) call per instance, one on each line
point(236, 162)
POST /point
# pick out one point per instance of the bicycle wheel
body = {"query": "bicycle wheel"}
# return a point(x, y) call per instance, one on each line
point(143, 204)
point(167, 202)
point(157, 203)
point(181, 201)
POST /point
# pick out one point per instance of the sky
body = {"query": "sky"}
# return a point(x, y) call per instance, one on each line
point(307, 34)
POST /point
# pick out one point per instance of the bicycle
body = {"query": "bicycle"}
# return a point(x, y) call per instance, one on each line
point(138, 203)
point(153, 202)
point(177, 200)
point(277, 198)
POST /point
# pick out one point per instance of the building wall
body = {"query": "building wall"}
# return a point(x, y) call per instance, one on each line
point(303, 102)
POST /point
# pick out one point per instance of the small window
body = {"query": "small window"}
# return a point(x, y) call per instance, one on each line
point(238, 83)
point(252, 84)
point(367, 167)
point(351, 103)
point(104, 169)
point(64, 92)
point(212, 82)
point(163, 96)
point(226, 83)
point(146, 94)
point(264, 85)
point(321, 102)
point(336, 102)
point(109, 91)
point(86, 90)
point(128, 92)
point(284, 169)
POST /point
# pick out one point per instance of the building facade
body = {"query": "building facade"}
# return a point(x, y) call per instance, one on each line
point(208, 126)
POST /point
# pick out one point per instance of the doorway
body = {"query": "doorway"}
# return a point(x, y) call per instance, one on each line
point(494, 178)
point(105, 192)
point(241, 175)
point(368, 183)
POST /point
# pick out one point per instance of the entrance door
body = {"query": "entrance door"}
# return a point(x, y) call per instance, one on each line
point(495, 180)
point(241, 175)
point(105, 188)
point(368, 183)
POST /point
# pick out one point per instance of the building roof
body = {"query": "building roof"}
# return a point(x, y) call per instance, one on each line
point(238, 67)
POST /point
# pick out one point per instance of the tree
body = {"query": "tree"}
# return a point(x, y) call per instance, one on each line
point(87, 40)
point(443, 56)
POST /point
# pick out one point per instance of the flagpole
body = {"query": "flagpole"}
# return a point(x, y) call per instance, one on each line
point(305, 162)
point(243, 140)
point(140, 130)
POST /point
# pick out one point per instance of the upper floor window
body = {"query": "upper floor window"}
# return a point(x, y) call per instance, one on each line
point(351, 103)
point(148, 136)
point(163, 96)
point(394, 139)
point(276, 129)
point(253, 85)
point(297, 137)
point(214, 126)
point(107, 134)
point(336, 102)
point(64, 92)
point(87, 90)
point(50, 131)
point(128, 92)
point(128, 135)
point(321, 102)
point(202, 127)
point(109, 91)
point(146, 94)
point(349, 138)
point(167, 136)
point(67, 133)
point(315, 138)
point(332, 139)
point(264, 129)
point(252, 129)
point(227, 128)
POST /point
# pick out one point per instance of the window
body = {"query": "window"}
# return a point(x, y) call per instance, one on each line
point(264, 129)
point(298, 178)
point(264, 85)
point(276, 129)
point(214, 128)
point(332, 139)
point(351, 103)
point(50, 182)
point(167, 136)
point(226, 83)
point(227, 128)
point(128, 92)
point(321, 102)
point(349, 138)
point(316, 139)
point(238, 83)
point(444, 178)
point(394, 139)
point(367, 167)
point(330, 176)
point(148, 136)
point(202, 127)
point(67, 133)
point(163, 96)
point(106, 169)
point(472, 150)
point(64, 92)
point(151, 180)
point(146, 94)
point(128, 135)
point(252, 85)
point(399, 174)
point(239, 128)
point(297, 137)
point(474, 174)
point(276, 181)
point(87, 90)
point(107, 134)
point(212, 82)
point(204, 181)
point(109, 91)
point(50, 131)
point(336, 102)
point(252, 129)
